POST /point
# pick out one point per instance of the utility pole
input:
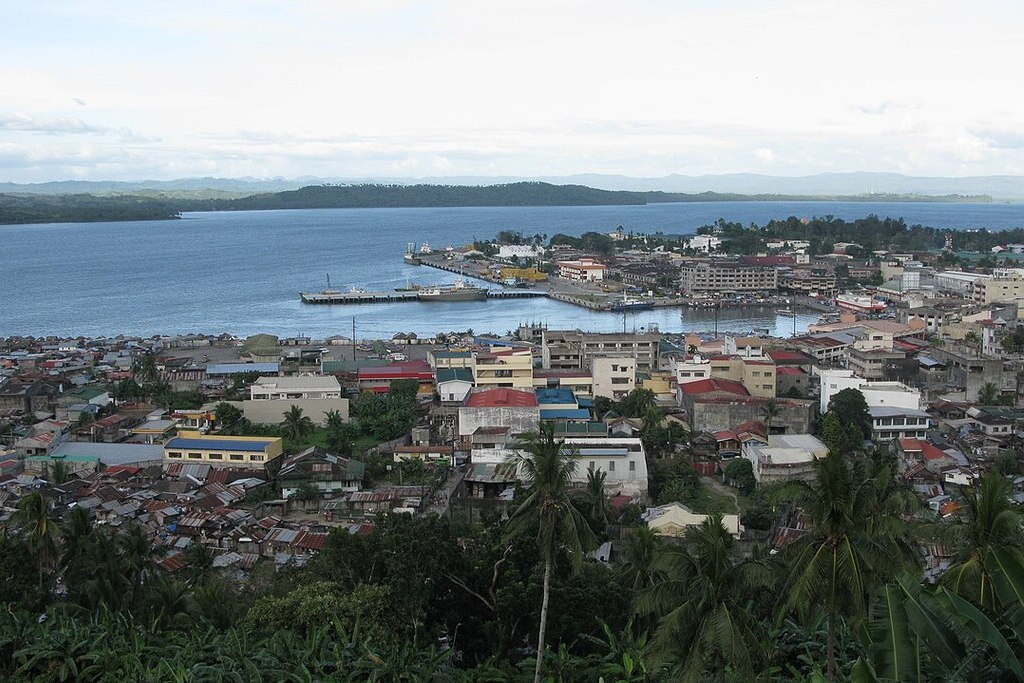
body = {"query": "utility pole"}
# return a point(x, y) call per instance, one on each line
point(353, 339)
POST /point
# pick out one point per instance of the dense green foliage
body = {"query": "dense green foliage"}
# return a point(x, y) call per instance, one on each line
point(141, 205)
point(425, 599)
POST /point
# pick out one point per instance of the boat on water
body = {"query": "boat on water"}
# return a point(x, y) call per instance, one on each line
point(786, 311)
point(459, 291)
point(628, 304)
point(410, 256)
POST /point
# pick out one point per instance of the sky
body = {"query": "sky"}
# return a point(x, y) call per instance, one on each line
point(361, 88)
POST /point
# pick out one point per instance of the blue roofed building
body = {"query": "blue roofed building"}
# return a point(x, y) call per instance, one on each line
point(222, 451)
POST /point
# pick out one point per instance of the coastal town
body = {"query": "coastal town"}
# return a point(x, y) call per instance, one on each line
point(231, 462)
point(252, 450)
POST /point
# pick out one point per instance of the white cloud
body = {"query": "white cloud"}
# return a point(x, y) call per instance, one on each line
point(519, 88)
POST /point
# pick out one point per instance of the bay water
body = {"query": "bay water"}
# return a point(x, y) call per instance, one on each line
point(241, 272)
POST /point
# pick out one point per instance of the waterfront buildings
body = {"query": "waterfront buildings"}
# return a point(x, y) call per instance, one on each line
point(582, 270)
point(721, 277)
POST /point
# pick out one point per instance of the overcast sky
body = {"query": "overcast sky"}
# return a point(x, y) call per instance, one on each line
point(347, 88)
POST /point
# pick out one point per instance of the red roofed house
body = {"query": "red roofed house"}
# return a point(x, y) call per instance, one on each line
point(378, 380)
point(913, 451)
point(713, 388)
point(513, 408)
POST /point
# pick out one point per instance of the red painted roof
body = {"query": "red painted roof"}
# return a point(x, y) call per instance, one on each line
point(707, 386)
point(724, 435)
point(789, 356)
point(496, 398)
point(785, 370)
point(414, 369)
point(911, 445)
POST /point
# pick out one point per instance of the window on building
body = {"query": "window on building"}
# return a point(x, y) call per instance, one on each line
point(236, 456)
point(216, 456)
point(195, 456)
point(173, 454)
point(611, 466)
point(632, 465)
point(592, 465)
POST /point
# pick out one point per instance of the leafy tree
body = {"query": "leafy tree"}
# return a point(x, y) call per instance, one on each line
point(548, 510)
point(307, 493)
point(637, 403)
point(146, 368)
point(841, 436)
point(741, 473)
point(226, 415)
point(850, 406)
point(703, 621)
point(988, 395)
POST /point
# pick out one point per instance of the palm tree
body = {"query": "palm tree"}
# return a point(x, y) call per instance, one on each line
point(135, 550)
point(147, 368)
point(296, 425)
point(854, 545)
point(547, 466)
point(699, 596)
point(992, 523)
point(988, 395)
point(638, 558)
point(595, 493)
point(33, 518)
point(770, 410)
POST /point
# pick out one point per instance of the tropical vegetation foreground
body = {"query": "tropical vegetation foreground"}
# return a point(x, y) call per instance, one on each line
point(426, 599)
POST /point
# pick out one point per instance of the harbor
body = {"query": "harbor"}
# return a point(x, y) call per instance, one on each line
point(337, 297)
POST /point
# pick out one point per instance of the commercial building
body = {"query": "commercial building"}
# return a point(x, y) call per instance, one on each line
point(582, 270)
point(958, 282)
point(223, 451)
point(726, 277)
point(573, 350)
point(271, 397)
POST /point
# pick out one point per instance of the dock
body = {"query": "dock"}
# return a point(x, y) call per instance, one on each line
point(356, 298)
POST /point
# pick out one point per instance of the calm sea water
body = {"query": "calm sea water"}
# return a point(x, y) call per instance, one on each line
point(242, 272)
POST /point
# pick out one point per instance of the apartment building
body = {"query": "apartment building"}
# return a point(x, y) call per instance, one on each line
point(990, 291)
point(510, 368)
point(572, 349)
point(876, 394)
point(614, 377)
point(726, 277)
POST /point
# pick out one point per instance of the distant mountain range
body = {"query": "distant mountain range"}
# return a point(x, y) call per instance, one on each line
point(860, 185)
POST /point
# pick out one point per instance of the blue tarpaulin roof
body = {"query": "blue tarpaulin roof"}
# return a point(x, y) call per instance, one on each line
point(219, 444)
point(566, 414)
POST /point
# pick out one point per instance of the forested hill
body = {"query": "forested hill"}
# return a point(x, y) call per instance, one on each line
point(141, 205)
point(395, 196)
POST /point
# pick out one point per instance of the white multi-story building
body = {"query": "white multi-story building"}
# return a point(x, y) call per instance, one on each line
point(876, 394)
point(316, 395)
point(705, 243)
point(623, 460)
